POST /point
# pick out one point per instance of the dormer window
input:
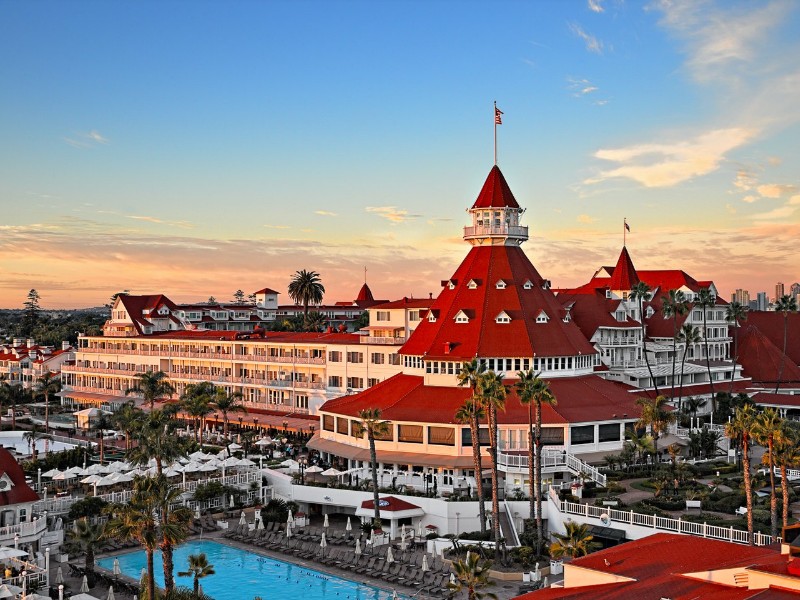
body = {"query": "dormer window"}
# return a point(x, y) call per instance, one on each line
point(527, 285)
point(431, 316)
point(546, 284)
point(473, 284)
point(461, 317)
point(608, 293)
point(542, 317)
point(650, 311)
point(500, 285)
point(451, 284)
point(502, 318)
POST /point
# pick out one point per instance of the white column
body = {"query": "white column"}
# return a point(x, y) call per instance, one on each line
point(47, 566)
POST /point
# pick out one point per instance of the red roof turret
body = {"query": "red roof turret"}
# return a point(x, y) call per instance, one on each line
point(365, 294)
point(624, 276)
point(495, 192)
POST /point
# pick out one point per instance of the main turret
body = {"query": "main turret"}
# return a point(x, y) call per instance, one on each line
point(495, 215)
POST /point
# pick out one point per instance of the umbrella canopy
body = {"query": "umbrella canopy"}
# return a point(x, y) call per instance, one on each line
point(51, 473)
point(358, 547)
point(403, 544)
point(425, 566)
point(5, 592)
point(76, 471)
point(290, 518)
point(84, 596)
point(97, 469)
point(116, 569)
point(330, 472)
point(246, 462)
point(91, 479)
point(289, 463)
point(242, 519)
point(389, 555)
point(231, 461)
point(234, 446)
point(349, 526)
point(419, 528)
point(59, 575)
point(453, 578)
point(62, 476)
point(264, 442)
point(208, 467)
point(110, 593)
point(325, 522)
point(172, 472)
point(192, 467)
point(288, 530)
point(314, 469)
point(84, 585)
point(7, 552)
point(323, 542)
point(260, 524)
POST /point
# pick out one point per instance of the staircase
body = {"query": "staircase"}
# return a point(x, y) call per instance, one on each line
point(552, 460)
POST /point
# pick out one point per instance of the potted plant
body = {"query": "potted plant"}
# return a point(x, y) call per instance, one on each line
point(693, 500)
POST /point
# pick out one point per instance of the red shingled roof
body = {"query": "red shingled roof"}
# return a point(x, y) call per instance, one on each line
point(761, 358)
point(365, 294)
point(624, 276)
point(20, 491)
point(592, 311)
point(406, 303)
point(394, 504)
point(482, 335)
point(771, 325)
point(266, 291)
point(495, 192)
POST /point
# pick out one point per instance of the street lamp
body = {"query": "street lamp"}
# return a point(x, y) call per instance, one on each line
point(240, 423)
point(311, 428)
point(285, 425)
point(255, 420)
point(303, 462)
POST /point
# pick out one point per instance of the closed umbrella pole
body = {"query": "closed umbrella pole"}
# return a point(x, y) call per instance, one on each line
point(325, 522)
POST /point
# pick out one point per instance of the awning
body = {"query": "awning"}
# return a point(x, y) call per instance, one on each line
point(93, 396)
point(390, 509)
point(607, 533)
point(394, 456)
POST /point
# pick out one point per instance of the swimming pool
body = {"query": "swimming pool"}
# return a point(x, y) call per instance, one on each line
point(242, 575)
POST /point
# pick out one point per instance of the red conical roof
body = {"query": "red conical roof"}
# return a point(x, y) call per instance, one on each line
point(365, 294)
point(624, 276)
point(495, 192)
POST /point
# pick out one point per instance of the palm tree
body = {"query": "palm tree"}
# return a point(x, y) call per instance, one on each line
point(740, 429)
point(470, 375)
point(306, 288)
point(784, 304)
point(88, 534)
point(470, 576)
point(316, 322)
point(787, 454)
point(137, 520)
point(640, 445)
point(46, 385)
point(173, 522)
point(641, 294)
point(101, 424)
point(766, 430)
point(31, 436)
point(196, 403)
point(13, 394)
point(705, 300)
point(228, 403)
point(156, 439)
point(693, 404)
point(657, 415)
point(534, 392)
point(152, 386)
point(471, 413)
point(198, 569)
point(373, 426)
point(674, 305)
point(576, 542)
point(688, 336)
point(494, 393)
point(128, 419)
point(735, 313)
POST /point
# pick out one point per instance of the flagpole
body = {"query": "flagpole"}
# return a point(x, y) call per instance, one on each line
point(494, 118)
point(624, 230)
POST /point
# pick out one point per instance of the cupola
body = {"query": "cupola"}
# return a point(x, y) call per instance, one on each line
point(495, 215)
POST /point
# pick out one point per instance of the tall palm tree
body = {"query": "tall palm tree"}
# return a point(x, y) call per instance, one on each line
point(494, 392)
point(693, 404)
point(785, 304)
point(101, 424)
point(705, 300)
point(196, 403)
point(32, 436)
point(88, 535)
point(766, 430)
point(787, 454)
point(740, 429)
point(641, 293)
point(674, 305)
point(576, 542)
point(198, 569)
point(46, 385)
point(735, 313)
point(173, 522)
point(534, 392)
point(137, 520)
point(226, 402)
point(13, 394)
point(156, 439)
point(471, 574)
point(471, 413)
point(689, 335)
point(128, 419)
point(152, 386)
point(306, 288)
point(373, 426)
point(470, 375)
point(657, 415)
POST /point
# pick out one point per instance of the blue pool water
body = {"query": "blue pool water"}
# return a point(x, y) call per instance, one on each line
point(242, 575)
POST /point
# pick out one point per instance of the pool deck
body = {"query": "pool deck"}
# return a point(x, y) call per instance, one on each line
point(503, 590)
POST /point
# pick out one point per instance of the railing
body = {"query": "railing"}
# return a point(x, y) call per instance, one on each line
point(510, 230)
point(619, 342)
point(551, 459)
point(23, 529)
point(383, 340)
point(514, 535)
point(715, 532)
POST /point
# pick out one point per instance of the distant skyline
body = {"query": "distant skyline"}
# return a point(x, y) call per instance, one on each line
point(193, 149)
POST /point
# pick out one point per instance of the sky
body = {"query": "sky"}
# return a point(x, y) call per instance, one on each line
point(197, 148)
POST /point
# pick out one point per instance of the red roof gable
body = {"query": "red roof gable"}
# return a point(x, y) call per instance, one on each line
point(624, 276)
point(266, 291)
point(771, 325)
point(761, 358)
point(495, 192)
point(365, 294)
point(20, 491)
point(482, 335)
point(391, 504)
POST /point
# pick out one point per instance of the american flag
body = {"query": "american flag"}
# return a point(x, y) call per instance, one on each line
point(498, 120)
point(628, 227)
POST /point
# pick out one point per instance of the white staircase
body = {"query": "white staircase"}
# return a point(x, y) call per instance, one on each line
point(552, 460)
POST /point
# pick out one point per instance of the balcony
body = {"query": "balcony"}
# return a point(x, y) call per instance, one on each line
point(496, 230)
point(387, 341)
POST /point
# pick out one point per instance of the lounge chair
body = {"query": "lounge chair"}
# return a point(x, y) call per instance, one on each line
point(366, 568)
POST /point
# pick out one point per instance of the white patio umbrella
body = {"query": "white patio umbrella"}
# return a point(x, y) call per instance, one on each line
point(264, 442)
point(208, 468)
point(260, 524)
point(331, 472)
point(91, 479)
point(314, 469)
point(62, 476)
point(51, 473)
point(290, 519)
point(234, 446)
point(7, 552)
point(419, 528)
point(246, 462)
point(84, 586)
point(403, 543)
point(171, 472)
point(425, 566)
point(242, 519)
point(84, 596)
point(192, 467)
point(115, 569)
point(76, 471)
point(349, 526)
point(59, 575)
point(5, 592)
point(288, 463)
point(403, 531)
point(389, 555)
point(110, 593)
point(325, 522)
point(231, 461)
point(358, 547)
point(453, 578)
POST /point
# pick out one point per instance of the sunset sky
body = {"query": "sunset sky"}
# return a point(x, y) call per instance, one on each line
point(194, 148)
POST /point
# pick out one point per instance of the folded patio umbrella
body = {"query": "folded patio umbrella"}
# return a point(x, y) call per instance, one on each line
point(84, 585)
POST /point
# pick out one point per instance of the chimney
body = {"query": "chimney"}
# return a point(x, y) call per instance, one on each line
point(430, 295)
point(447, 347)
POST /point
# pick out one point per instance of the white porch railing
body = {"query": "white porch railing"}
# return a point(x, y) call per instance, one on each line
point(551, 459)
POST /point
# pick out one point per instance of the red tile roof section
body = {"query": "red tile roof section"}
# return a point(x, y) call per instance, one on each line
point(395, 504)
point(761, 358)
point(406, 303)
point(771, 325)
point(20, 491)
point(624, 276)
point(495, 192)
point(482, 336)
point(365, 294)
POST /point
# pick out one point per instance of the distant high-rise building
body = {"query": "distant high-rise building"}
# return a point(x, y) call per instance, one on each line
point(795, 289)
point(741, 296)
point(761, 301)
point(779, 291)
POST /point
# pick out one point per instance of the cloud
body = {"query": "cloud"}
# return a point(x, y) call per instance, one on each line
point(596, 6)
point(325, 213)
point(581, 87)
point(750, 199)
point(391, 213)
point(780, 213)
point(745, 180)
point(586, 219)
point(181, 224)
point(591, 42)
point(96, 137)
point(665, 165)
point(775, 190)
point(276, 226)
point(730, 208)
point(86, 140)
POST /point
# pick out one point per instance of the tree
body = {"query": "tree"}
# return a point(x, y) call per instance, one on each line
point(226, 403)
point(674, 305)
point(471, 575)
point(641, 294)
point(196, 403)
point(211, 300)
point(740, 429)
point(705, 300)
point(306, 288)
point(173, 522)
point(787, 454)
point(373, 426)
point(101, 424)
point(32, 312)
point(494, 394)
point(735, 313)
point(693, 404)
point(657, 415)
point(534, 392)
point(198, 569)
point(128, 419)
point(316, 322)
point(113, 299)
point(88, 534)
point(470, 375)
point(137, 520)
point(156, 439)
point(152, 386)
point(785, 304)
point(32, 436)
point(766, 430)
point(576, 542)
point(688, 336)
point(46, 385)
point(238, 297)
point(13, 394)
